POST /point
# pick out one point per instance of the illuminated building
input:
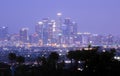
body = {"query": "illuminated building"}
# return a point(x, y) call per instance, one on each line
point(39, 29)
point(96, 39)
point(46, 29)
point(23, 34)
point(69, 30)
point(78, 39)
point(3, 33)
point(34, 38)
point(58, 28)
point(86, 38)
point(15, 37)
point(57, 32)
point(110, 39)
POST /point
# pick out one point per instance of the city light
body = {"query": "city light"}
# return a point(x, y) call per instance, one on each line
point(56, 33)
point(40, 23)
point(59, 14)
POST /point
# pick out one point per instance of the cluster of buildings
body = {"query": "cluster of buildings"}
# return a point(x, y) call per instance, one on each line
point(55, 33)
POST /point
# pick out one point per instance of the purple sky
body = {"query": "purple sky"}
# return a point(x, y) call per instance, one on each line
point(95, 16)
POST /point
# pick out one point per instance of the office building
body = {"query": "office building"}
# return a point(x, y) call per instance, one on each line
point(4, 33)
point(23, 34)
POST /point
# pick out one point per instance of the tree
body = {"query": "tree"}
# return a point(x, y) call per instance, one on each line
point(20, 59)
point(41, 60)
point(53, 58)
point(76, 55)
point(70, 55)
point(12, 57)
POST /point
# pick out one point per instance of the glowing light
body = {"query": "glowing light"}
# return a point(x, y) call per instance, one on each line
point(28, 55)
point(3, 27)
point(74, 22)
point(79, 69)
point(60, 54)
point(104, 50)
point(90, 41)
point(59, 34)
point(54, 25)
point(59, 14)
point(40, 23)
point(54, 30)
point(67, 61)
point(117, 58)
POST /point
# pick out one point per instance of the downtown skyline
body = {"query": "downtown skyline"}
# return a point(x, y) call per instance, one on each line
point(101, 17)
point(61, 32)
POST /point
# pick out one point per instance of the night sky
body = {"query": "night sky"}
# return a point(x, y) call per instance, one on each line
point(95, 16)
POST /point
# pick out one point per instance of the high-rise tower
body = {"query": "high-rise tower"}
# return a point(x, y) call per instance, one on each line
point(59, 28)
point(23, 34)
point(3, 33)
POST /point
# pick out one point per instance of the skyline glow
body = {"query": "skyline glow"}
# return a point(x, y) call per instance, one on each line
point(93, 16)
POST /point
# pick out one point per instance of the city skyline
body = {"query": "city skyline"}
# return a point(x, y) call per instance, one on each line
point(100, 17)
point(55, 33)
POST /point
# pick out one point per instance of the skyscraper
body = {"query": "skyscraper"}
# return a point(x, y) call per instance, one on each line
point(45, 30)
point(69, 30)
point(23, 34)
point(3, 33)
point(56, 32)
point(58, 28)
point(39, 29)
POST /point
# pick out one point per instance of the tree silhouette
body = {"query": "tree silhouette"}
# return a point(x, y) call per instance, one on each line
point(76, 55)
point(90, 58)
point(86, 57)
point(12, 57)
point(41, 61)
point(107, 57)
point(70, 55)
point(20, 59)
point(38, 60)
point(96, 61)
point(52, 59)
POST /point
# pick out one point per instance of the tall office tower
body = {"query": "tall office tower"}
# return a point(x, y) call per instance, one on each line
point(75, 30)
point(23, 34)
point(74, 27)
point(3, 33)
point(59, 21)
point(58, 28)
point(45, 31)
point(54, 32)
point(50, 32)
point(66, 29)
point(39, 29)
point(69, 30)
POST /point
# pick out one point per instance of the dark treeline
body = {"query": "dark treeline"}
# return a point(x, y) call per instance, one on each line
point(83, 63)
